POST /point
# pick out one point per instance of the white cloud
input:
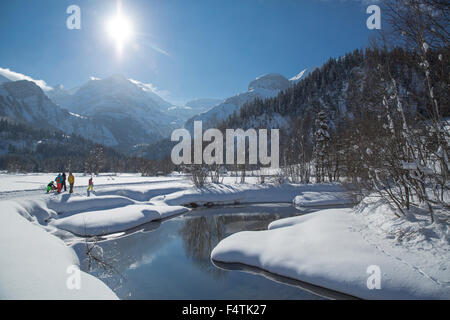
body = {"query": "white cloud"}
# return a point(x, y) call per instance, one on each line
point(15, 76)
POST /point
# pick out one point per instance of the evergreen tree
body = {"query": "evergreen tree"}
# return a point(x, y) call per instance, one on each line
point(321, 146)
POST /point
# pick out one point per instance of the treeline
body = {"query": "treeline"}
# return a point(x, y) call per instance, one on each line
point(343, 86)
point(28, 149)
point(375, 117)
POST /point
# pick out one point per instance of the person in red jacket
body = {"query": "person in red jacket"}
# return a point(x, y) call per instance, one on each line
point(59, 181)
point(91, 185)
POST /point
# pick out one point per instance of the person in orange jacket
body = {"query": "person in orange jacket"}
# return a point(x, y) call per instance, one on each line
point(59, 181)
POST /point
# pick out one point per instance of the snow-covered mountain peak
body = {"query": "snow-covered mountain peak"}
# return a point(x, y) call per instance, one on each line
point(22, 89)
point(265, 86)
point(58, 89)
point(297, 77)
point(114, 82)
point(302, 75)
point(130, 109)
point(25, 102)
point(116, 78)
point(4, 79)
point(271, 81)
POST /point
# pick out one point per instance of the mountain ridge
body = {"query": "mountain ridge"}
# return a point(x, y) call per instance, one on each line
point(263, 87)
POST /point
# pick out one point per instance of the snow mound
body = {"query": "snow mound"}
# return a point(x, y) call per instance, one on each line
point(102, 222)
point(214, 194)
point(328, 249)
point(312, 198)
point(67, 204)
point(36, 265)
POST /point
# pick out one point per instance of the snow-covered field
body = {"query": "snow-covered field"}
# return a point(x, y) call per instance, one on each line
point(38, 181)
point(330, 248)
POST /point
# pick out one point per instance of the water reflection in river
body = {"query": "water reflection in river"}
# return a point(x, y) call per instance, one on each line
point(171, 259)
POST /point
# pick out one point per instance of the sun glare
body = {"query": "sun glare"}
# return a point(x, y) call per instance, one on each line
point(120, 30)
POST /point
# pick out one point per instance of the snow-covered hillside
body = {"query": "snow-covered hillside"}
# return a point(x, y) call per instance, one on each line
point(128, 107)
point(122, 112)
point(3, 79)
point(302, 74)
point(265, 86)
point(131, 109)
point(59, 95)
point(203, 104)
point(110, 95)
point(25, 102)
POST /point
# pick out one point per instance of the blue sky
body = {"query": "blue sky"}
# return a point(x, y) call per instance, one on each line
point(186, 48)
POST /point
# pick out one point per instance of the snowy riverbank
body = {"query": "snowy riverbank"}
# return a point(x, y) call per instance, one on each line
point(34, 261)
point(339, 249)
point(37, 265)
point(332, 248)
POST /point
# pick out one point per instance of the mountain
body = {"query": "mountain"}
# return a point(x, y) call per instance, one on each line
point(130, 109)
point(346, 88)
point(3, 79)
point(24, 102)
point(117, 96)
point(263, 87)
point(59, 95)
point(29, 149)
point(191, 109)
point(303, 74)
point(203, 104)
point(125, 113)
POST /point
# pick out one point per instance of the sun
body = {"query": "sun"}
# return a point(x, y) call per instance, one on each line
point(119, 30)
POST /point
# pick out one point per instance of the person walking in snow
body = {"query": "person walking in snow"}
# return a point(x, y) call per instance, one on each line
point(91, 185)
point(59, 182)
point(71, 180)
point(64, 181)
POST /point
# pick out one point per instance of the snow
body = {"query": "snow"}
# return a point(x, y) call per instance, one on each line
point(203, 103)
point(271, 81)
point(38, 181)
point(3, 79)
point(229, 193)
point(323, 198)
point(67, 204)
point(34, 264)
point(123, 99)
point(331, 248)
point(302, 75)
point(127, 201)
point(335, 248)
point(265, 86)
point(15, 76)
point(76, 115)
point(24, 101)
point(101, 222)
